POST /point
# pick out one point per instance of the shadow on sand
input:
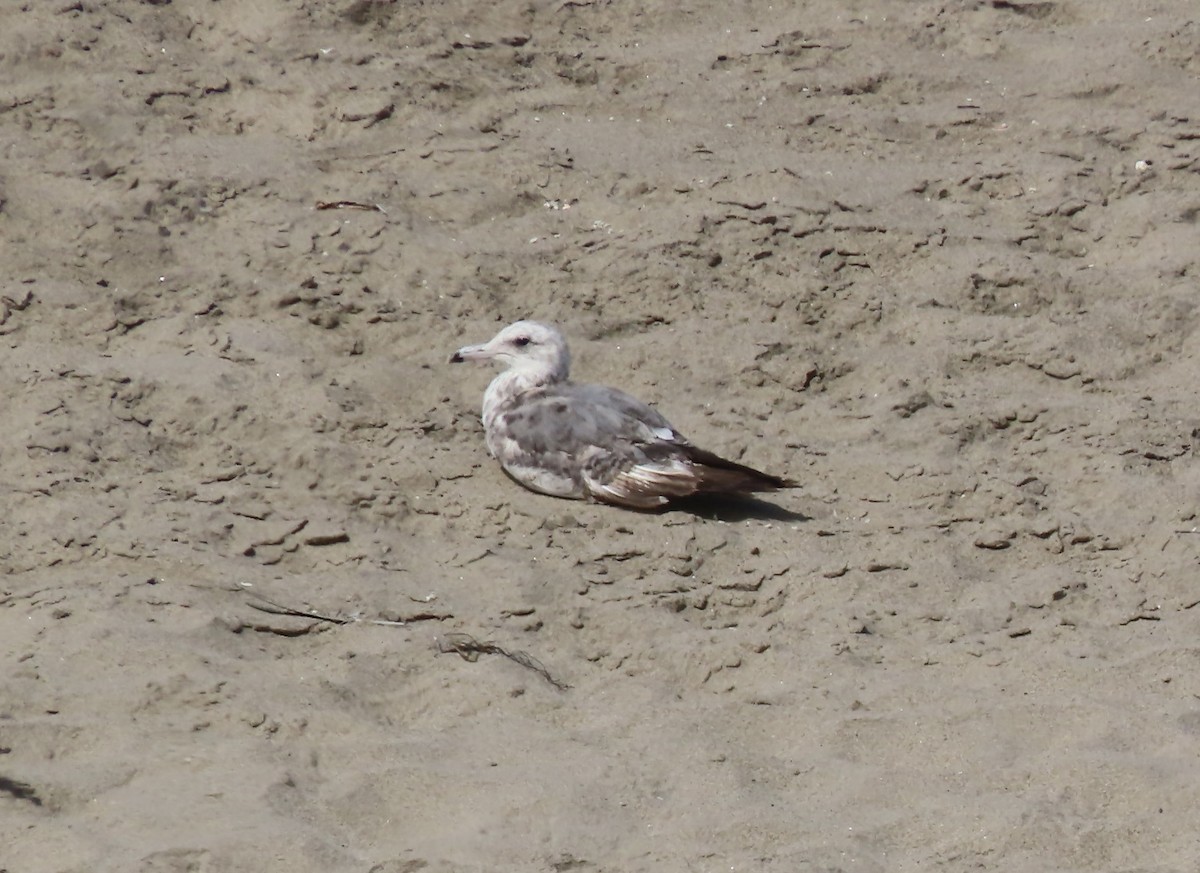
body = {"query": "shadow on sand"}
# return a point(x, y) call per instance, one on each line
point(734, 508)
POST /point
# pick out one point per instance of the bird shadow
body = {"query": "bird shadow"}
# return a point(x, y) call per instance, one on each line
point(729, 507)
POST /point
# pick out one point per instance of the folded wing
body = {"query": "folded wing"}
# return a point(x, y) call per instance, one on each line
point(615, 448)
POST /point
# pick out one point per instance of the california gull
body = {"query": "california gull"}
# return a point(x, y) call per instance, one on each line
point(566, 439)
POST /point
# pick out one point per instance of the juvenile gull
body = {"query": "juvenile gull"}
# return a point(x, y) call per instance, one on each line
point(584, 442)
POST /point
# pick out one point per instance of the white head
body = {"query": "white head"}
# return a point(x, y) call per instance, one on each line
point(536, 351)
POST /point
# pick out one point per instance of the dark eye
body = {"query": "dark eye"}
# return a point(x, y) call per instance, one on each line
point(522, 341)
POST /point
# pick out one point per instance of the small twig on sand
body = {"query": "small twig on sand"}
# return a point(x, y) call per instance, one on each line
point(272, 607)
point(1176, 533)
point(470, 649)
point(350, 204)
point(465, 645)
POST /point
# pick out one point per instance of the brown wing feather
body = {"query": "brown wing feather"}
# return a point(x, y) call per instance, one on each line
point(645, 485)
point(720, 474)
point(667, 471)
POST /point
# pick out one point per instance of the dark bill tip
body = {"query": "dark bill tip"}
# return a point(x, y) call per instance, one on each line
point(456, 358)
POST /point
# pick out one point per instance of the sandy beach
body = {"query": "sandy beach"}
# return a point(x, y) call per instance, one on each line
point(267, 604)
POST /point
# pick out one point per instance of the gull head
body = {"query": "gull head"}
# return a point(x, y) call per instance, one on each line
point(530, 347)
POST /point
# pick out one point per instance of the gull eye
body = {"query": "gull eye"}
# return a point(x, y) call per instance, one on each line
point(522, 341)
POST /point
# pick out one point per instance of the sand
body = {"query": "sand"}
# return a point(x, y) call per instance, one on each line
point(943, 257)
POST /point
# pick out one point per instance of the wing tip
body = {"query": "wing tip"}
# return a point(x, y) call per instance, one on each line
point(715, 480)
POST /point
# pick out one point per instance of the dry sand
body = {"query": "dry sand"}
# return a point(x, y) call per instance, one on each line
point(943, 257)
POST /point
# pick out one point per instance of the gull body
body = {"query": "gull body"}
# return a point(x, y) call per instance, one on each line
point(581, 441)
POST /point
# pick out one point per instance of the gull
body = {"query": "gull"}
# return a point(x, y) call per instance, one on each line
point(590, 442)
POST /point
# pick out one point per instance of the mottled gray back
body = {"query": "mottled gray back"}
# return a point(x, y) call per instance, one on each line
point(573, 418)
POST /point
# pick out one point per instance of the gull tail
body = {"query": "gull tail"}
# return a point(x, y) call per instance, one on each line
point(717, 475)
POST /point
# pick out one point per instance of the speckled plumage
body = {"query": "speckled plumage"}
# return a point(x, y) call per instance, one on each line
point(584, 441)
